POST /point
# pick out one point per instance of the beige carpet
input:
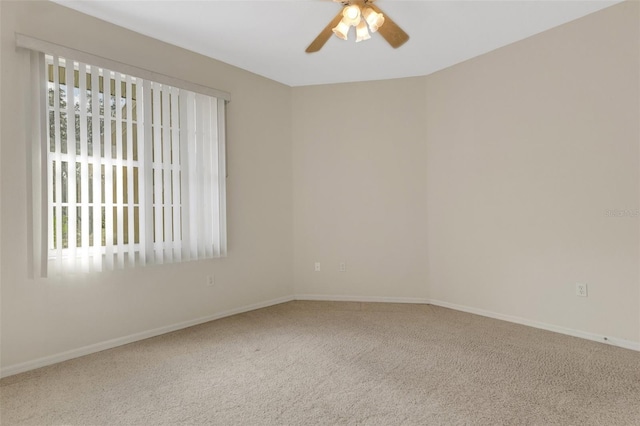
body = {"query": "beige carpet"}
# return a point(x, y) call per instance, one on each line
point(326, 363)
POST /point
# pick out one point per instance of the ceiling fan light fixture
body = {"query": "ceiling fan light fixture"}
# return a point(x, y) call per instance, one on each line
point(366, 18)
point(373, 18)
point(362, 33)
point(352, 14)
point(342, 29)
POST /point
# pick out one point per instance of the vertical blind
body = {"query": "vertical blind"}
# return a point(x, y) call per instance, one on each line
point(135, 169)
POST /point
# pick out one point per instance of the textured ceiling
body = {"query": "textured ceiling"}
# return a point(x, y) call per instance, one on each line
point(269, 37)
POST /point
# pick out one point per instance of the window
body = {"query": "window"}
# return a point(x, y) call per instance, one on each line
point(133, 170)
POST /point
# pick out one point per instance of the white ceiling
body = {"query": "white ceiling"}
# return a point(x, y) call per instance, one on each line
point(268, 37)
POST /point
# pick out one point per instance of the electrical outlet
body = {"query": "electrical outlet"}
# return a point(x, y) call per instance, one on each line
point(210, 281)
point(581, 289)
point(317, 267)
point(342, 267)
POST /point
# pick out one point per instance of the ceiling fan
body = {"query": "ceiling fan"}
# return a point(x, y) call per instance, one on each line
point(365, 16)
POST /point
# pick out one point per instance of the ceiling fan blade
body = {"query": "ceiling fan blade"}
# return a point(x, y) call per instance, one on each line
point(390, 30)
point(324, 35)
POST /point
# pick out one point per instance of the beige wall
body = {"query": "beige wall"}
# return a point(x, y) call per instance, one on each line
point(528, 146)
point(501, 167)
point(359, 183)
point(46, 317)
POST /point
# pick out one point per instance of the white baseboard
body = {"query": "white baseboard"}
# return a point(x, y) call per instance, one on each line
point(347, 298)
point(627, 344)
point(109, 344)
point(97, 347)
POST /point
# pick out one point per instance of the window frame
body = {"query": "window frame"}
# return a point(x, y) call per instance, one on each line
point(39, 247)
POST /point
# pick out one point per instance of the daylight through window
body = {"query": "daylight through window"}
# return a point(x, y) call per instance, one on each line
point(134, 170)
